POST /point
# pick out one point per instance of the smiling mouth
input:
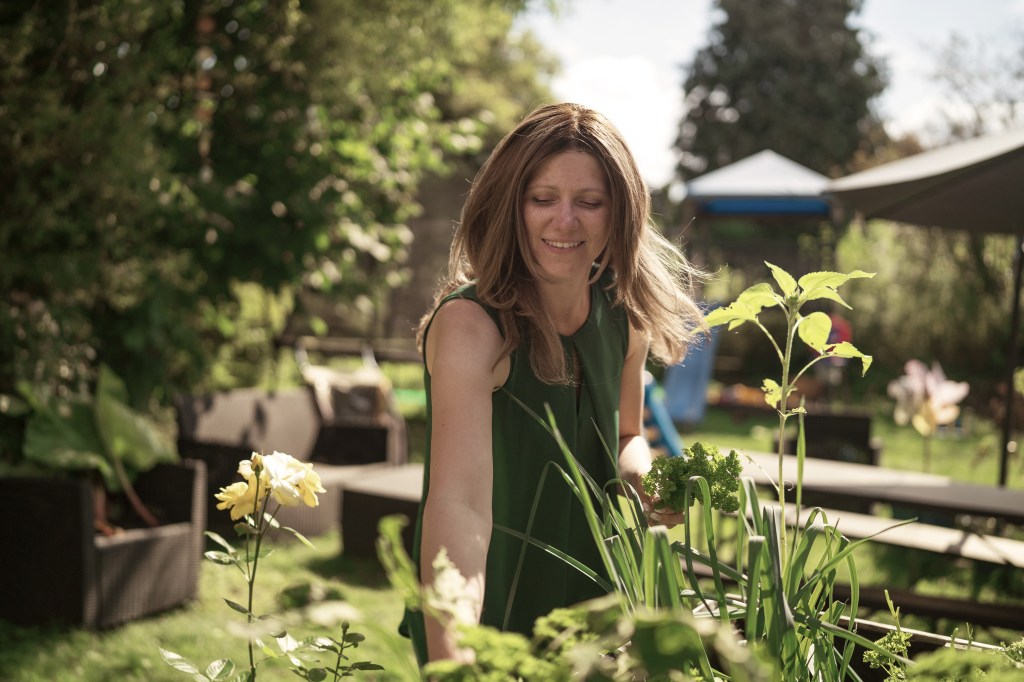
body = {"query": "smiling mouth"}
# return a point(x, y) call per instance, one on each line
point(562, 245)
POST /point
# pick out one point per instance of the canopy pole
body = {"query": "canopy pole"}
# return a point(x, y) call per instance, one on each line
point(1011, 360)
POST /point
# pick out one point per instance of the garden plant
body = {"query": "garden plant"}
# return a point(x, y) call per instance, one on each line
point(96, 435)
point(286, 481)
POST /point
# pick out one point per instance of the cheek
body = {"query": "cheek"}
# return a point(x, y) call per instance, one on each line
point(604, 233)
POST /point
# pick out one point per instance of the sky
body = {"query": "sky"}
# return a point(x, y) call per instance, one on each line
point(627, 59)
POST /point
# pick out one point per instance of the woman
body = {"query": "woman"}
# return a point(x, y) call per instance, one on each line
point(557, 287)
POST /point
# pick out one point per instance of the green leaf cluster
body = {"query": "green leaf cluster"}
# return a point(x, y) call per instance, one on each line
point(499, 656)
point(813, 329)
point(669, 477)
point(954, 665)
point(895, 643)
point(98, 433)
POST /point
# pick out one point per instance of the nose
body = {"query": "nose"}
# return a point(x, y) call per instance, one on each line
point(566, 214)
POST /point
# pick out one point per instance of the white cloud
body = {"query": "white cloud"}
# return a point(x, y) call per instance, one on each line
point(642, 100)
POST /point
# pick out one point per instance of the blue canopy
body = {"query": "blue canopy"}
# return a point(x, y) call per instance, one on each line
point(766, 183)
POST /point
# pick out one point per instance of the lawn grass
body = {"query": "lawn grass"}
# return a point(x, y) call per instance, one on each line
point(205, 630)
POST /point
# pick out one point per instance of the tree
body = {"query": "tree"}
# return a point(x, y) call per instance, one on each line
point(158, 155)
point(788, 75)
point(983, 88)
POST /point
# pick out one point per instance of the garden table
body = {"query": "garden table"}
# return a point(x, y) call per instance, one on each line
point(907, 489)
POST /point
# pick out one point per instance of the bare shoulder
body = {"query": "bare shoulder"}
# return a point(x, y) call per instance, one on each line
point(463, 339)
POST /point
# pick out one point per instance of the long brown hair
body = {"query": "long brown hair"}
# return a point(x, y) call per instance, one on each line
point(653, 280)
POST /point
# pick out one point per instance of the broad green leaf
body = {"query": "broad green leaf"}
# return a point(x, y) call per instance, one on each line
point(736, 313)
point(216, 537)
point(127, 435)
point(848, 350)
point(813, 280)
point(759, 297)
point(316, 674)
point(178, 662)
point(732, 314)
point(829, 294)
point(323, 642)
point(222, 558)
point(366, 665)
point(816, 285)
point(65, 439)
point(247, 527)
point(785, 280)
point(221, 669)
point(300, 537)
point(286, 642)
point(772, 393)
point(814, 330)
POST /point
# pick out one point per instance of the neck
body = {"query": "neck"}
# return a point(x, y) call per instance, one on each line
point(567, 310)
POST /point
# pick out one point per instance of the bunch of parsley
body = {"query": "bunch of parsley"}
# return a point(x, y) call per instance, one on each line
point(668, 476)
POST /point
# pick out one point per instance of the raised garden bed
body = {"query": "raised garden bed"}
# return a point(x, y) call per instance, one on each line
point(59, 571)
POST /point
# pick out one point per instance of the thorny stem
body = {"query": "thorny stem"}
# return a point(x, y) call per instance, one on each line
point(258, 514)
point(341, 650)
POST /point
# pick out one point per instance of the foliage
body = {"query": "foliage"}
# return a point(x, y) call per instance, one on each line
point(954, 665)
point(281, 479)
point(937, 281)
point(668, 476)
point(765, 61)
point(97, 433)
point(895, 643)
point(158, 155)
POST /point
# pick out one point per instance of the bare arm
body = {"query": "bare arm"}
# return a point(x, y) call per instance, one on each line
point(635, 454)
point(461, 351)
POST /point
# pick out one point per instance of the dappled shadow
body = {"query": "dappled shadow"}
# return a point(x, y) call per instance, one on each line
point(363, 572)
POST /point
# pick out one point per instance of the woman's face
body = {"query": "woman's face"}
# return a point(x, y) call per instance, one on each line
point(567, 210)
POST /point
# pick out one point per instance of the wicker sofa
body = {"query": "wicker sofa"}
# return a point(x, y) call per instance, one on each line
point(223, 428)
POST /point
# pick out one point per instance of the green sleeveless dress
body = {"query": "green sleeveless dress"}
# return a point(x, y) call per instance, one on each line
point(523, 453)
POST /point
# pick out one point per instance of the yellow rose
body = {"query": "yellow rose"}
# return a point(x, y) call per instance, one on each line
point(239, 497)
point(253, 467)
point(291, 481)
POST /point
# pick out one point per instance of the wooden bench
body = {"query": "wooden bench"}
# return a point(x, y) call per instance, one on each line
point(950, 542)
point(921, 536)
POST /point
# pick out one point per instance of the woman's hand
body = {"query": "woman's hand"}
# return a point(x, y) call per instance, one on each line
point(635, 454)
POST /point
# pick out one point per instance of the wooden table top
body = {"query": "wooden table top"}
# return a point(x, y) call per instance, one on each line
point(879, 484)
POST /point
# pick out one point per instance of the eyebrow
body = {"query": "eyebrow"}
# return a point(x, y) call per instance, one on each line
point(600, 190)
